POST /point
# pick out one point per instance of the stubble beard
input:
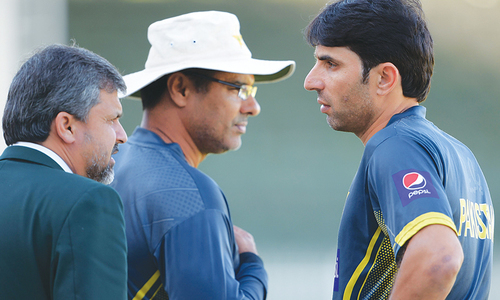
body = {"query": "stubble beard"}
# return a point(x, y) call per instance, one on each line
point(358, 117)
point(208, 141)
point(98, 169)
point(96, 172)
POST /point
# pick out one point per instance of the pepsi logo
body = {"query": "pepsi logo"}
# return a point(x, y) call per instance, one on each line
point(414, 181)
point(414, 184)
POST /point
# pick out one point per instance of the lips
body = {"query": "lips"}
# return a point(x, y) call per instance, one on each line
point(324, 106)
point(242, 127)
point(115, 149)
point(113, 152)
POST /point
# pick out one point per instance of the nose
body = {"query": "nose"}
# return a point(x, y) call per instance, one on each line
point(121, 135)
point(313, 81)
point(250, 106)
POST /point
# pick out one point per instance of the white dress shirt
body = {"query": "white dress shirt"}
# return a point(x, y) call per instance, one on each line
point(47, 152)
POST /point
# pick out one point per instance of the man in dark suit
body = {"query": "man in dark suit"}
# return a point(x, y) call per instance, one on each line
point(62, 233)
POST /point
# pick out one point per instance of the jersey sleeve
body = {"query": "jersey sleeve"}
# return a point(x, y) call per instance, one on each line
point(405, 183)
point(196, 262)
point(91, 252)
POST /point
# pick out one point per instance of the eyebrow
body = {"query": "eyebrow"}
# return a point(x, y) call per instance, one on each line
point(238, 82)
point(116, 115)
point(326, 57)
point(243, 83)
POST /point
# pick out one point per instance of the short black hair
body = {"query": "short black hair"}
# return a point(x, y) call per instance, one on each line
point(380, 31)
point(153, 92)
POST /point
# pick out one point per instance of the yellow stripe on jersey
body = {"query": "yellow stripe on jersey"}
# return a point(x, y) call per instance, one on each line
point(380, 278)
point(350, 285)
point(431, 218)
point(157, 290)
point(142, 292)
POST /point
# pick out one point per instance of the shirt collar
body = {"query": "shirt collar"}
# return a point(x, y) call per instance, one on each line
point(416, 110)
point(47, 152)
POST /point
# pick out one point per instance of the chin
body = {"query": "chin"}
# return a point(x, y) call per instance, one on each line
point(108, 178)
point(236, 145)
point(230, 144)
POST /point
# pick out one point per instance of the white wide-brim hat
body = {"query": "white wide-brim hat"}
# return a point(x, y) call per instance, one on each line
point(206, 40)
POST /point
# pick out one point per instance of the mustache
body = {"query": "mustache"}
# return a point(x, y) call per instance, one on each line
point(115, 149)
point(241, 119)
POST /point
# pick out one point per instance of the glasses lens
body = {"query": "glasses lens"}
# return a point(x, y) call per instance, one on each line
point(246, 91)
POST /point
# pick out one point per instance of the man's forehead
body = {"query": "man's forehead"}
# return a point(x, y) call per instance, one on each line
point(321, 50)
point(109, 101)
point(335, 53)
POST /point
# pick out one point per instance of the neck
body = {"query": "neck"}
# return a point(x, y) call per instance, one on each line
point(65, 152)
point(384, 117)
point(169, 127)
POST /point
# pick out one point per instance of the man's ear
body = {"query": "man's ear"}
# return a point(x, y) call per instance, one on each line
point(179, 87)
point(65, 126)
point(388, 78)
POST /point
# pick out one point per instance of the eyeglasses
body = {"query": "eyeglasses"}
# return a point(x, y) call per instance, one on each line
point(244, 92)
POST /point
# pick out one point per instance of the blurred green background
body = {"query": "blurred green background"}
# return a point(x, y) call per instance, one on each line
point(288, 182)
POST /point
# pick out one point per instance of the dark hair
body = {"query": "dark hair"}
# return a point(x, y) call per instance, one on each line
point(55, 79)
point(380, 31)
point(153, 92)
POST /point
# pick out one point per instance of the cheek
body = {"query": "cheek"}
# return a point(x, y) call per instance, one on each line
point(219, 111)
point(108, 137)
point(340, 87)
point(235, 108)
point(226, 114)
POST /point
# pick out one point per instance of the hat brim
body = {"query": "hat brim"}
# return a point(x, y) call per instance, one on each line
point(265, 71)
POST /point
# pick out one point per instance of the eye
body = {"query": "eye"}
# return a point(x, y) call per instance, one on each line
point(331, 64)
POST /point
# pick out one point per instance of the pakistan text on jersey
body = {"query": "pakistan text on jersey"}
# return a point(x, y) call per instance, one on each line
point(476, 220)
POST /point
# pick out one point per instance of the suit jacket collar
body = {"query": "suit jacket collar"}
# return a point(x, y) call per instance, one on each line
point(29, 155)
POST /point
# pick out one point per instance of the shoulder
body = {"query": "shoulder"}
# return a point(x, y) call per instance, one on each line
point(149, 162)
point(94, 205)
point(81, 185)
point(412, 133)
point(160, 168)
point(401, 147)
point(75, 188)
